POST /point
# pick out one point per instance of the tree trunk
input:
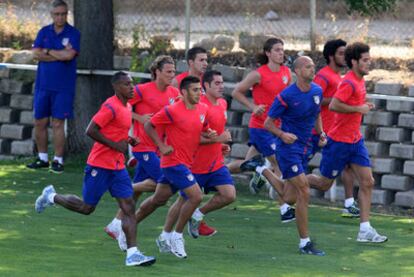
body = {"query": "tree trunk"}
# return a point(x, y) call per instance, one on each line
point(94, 19)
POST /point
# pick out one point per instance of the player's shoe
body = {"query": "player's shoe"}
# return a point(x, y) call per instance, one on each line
point(371, 235)
point(250, 165)
point(177, 247)
point(122, 243)
point(163, 244)
point(56, 167)
point(288, 216)
point(256, 183)
point(192, 227)
point(139, 259)
point(351, 211)
point(38, 163)
point(43, 200)
point(112, 231)
point(310, 249)
point(205, 230)
point(132, 162)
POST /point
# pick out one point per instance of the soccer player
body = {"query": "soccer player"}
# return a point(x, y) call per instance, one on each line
point(345, 143)
point(197, 65)
point(266, 83)
point(149, 98)
point(56, 48)
point(329, 78)
point(184, 123)
point(208, 168)
point(298, 106)
point(105, 169)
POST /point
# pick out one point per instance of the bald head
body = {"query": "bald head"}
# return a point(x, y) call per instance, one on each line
point(300, 62)
point(304, 68)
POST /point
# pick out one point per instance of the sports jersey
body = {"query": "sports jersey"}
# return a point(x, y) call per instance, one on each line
point(183, 129)
point(149, 100)
point(264, 93)
point(114, 119)
point(181, 76)
point(351, 91)
point(209, 157)
point(298, 111)
point(329, 80)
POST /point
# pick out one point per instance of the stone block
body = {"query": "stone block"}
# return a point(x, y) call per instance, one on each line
point(408, 168)
point(412, 137)
point(405, 198)
point(4, 72)
point(241, 179)
point(402, 151)
point(376, 148)
point(23, 102)
point(4, 85)
point(399, 106)
point(382, 197)
point(316, 160)
point(239, 150)
point(406, 120)
point(5, 146)
point(386, 165)
point(339, 193)
point(4, 99)
point(8, 115)
point(379, 103)
point(15, 131)
point(237, 106)
point(380, 118)
point(228, 90)
point(19, 87)
point(397, 182)
point(26, 117)
point(411, 90)
point(234, 118)
point(23, 148)
point(229, 73)
point(392, 134)
point(388, 88)
point(239, 134)
point(246, 118)
point(122, 62)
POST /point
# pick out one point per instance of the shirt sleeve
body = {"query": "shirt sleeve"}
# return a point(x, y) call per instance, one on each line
point(278, 107)
point(105, 114)
point(137, 96)
point(38, 43)
point(322, 81)
point(163, 117)
point(345, 90)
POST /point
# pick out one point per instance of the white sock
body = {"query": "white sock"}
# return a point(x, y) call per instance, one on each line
point(59, 159)
point(166, 235)
point(260, 169)
point(176, 235)
point(303, 242)
point(284, 208)
point(131, 251)
point(198, 215)
point(51, 197)
point(348, 202)
point(43, 156)
point(364, 226)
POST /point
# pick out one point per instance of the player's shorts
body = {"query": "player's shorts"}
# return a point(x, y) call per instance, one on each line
point(263, 141)
point(291, 163)
point(178, 177)
point(51, 103)
point(148, 166)
point(98, 180)
point(209, 181)
point(336, 155)
point(312, 146)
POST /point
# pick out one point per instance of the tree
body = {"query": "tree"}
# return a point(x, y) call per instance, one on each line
point(94, 19)
point(370, 7)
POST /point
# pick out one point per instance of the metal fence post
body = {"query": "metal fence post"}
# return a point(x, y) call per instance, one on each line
point(312, 25)
point(187, 25)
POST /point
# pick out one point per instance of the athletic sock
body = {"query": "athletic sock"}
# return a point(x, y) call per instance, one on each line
point(166, 235)
point(43, 156)
point(284, 208)
point(131, 251)
point(260, 169)
point(364, 226)
point(348, 202)
point(176, 235)
point(303, 242)
point(58, 159)
point(198, 215)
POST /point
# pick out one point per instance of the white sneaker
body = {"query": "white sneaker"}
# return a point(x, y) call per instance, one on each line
point(177, 247)
point(371, 235)
point(43, 200)
point(122, 241)
point(113, 231)
point(163, 244)
point(139, 259)
point(192, 227)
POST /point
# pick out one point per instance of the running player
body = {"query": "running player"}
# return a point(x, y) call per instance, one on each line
point(105, 168)
point(197, 65)
point(346, 144)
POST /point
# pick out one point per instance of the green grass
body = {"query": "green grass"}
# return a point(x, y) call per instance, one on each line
point(251, 240)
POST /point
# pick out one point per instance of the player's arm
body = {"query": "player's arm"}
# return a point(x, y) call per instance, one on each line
point(152, 133)
point(319, 130)
point(66, 54)
point(224, 137)
point(93, 131)
point(241, 89)
point(338, 106)
point(323, 83)
point(42, 55)
point(286, 137)
point(142, 118)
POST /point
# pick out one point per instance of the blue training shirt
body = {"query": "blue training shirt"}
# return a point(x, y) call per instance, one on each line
point(57, 75)
point(298, 111)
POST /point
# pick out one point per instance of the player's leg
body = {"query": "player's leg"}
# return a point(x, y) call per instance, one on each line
point(58, 128)
point(163, 192)
point(350, 205)
point(234, 166)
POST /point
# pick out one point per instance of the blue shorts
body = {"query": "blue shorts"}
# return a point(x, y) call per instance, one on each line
point(178, 177)
point(56, 104)
point(209, 181)
point(148, 166)
point(312, 146)
point(263, 141)
point(291, 163)
point(98, 180)
point(337, 155)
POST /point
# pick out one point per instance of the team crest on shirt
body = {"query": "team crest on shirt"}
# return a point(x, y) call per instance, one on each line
point(190, 177)
point(316, 99)
point(334, 172)
point(202, 117)
point(295, 168)
point(145, 157)
point(225, 115)
point(94, 172)
point(285, 79)
point(65, 41)
point(171, 100)
point(273, 146)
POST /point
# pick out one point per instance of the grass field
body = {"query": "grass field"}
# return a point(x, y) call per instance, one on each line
point(251, 240)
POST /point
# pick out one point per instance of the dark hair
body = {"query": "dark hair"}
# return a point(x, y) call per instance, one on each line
point(118, 76)
point(330, 47)
point(209, 76)
point(158, 63)
point(58, 3)
point(187, 81)
point(267, 47)
point(354, 51)
point(192, 52)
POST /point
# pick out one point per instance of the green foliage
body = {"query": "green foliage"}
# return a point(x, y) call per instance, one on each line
point(370, 7)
